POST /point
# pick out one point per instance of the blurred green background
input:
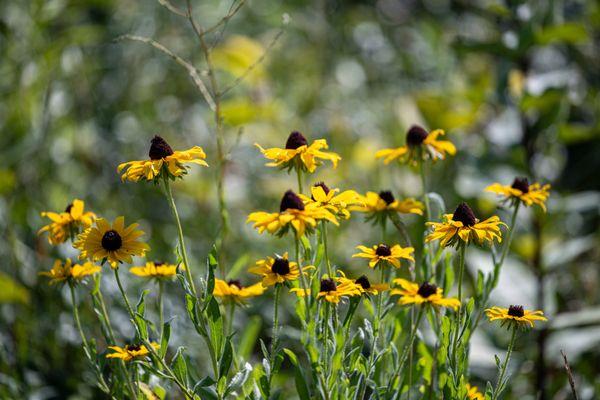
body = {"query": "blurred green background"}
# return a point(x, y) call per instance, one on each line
point(515, 84)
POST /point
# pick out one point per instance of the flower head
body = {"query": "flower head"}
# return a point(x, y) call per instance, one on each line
point(473, 393)
point(379, 254)
point(67, 272)
point(131, 351)
point(329, 199)
point(361, 285)
point(464, 227)
point(113, 242)
point(276, 269)
point(155, 269)
point(420, 145)
point(299, 154)
point(233, 290)
point(515, 314)
point(162, 160)
point(521, 191)
point(380, 205)
point(426, 293)
point(330, 291)
point(64, 224)
point(292, 211)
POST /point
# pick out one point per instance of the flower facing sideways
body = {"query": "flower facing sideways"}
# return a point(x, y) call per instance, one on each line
point(162, 160)
point(473, 393)
point(276, 269)
point(67, 272)
point(384, 202)
point(522, 191)
point(131, 351)
point(330, 291)
point(67, 223)
point(233, 290)
point(114, 243)
point(299, 154)
point(382, 253)
point(420, 145)
point(330, 200)
point(361, 285)
point(426, 293)
point(515, 315)
point(154, 269)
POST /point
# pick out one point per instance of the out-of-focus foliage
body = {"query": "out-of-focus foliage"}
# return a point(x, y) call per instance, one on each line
point(515, 84)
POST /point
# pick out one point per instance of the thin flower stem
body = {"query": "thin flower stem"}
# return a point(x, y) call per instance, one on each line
point(326, 246)
point(275, 341)
point(499, 384)
point(425, 196)
point(507, 242)
point(299, 176)
point(405, 351)
point(230, 316)
point(461, 268)
point(161, 318)
point(124, 295)
point(76, 317)
point(302, 278)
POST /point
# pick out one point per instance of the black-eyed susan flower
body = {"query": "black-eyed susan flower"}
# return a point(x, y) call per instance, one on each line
point(67, 272)
point(233, 290)
point(67, 223)
point(155, 269)
point(426, 293)
point(515, 314)
point(521, 191)
point(278, 269)
point(131, 351)
point(361, 285)
point(330, 291)
point(299, 154)
point(381, 253)
point(420, 145)
point(463, 226)
point(473, 393)
point(337, 204)
point(292, 211)
point(379, 205)
point(112, 242)
point(162, 160)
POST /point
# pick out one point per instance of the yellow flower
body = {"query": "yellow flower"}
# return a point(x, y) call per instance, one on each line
point(428, 293)
point(114, 243)
point(463, 226)
point(383, 253)
point(473, 393)
point(234, 291)
point(361, 285)
point(162, 160)
point(330, 291)
point(523, 192)
point(67, 223)
point(297, 153)
point(420, 145)
point(515, 315)
point(329, 199)
point(385, 201)
point(292, 211)
point(276, 270)
point(156, 270)
point(66, 271)
point(131, 351)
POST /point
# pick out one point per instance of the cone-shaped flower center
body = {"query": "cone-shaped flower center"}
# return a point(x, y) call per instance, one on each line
point(323, 186)
point(133, 347)
point(291, 200)
point(328, 285)
point(281, 266)
point(427, 289)
point(363, 281)
point(158, 263)
point(111, 240)
point(295, 140)
point(383, 251)
point(464, 214)
point(68, 209)
point(516, 311)
point(159, 148)
point(236, 283)
point(415, 135)
point(387, 196)
point(521, 184)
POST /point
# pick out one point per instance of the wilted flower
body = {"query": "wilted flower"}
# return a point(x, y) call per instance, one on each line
point(67, 272)
point(67, 223)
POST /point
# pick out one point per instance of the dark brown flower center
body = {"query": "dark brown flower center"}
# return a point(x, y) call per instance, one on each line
point(159, 148)
point(323, 186)
point(363, 281)
point(521, 184)
point(427, 289)
point(111, 240)
point(516, 311)
point(281, 266)
point(416, 135)
point(133, 347)
point(295, 140)
point(464, 214)
point(383, 251)
point(158, 263)
point(387, 196)
point(236, 283)
point(328, 285)
point(291, 200)
point(69, 207)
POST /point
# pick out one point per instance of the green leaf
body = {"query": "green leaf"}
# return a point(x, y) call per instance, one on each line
point(249, 337)
point(164, 340)
point(215, 323)
point(11, 291)
point(141, 304)
point(179, 366)
point(226, 358)
point(299, 379)
point(570, 32)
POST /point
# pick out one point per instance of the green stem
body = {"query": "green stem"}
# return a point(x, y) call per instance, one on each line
point(76, 317)
point(499, 385)
point(124, 295)
point(299, 175)
point(326, 246)
point(425, 197)
point(377, 322)
point(302, 278)
point(275, 341)
point(405, 351)
point(507, 242)
point(161, 317)
point(461, 268)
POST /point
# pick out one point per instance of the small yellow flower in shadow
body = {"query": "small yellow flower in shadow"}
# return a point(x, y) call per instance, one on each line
point(277, 270)
point(162, 160)
point(473, 393)
point(420, 145)
point(330, 291)
point(329, 199)
point(427, 293)
point(292, 212)
point(515, 315)
point(154, 269)
point(67, 272)
point(522, 191)
point(361, 285)
point(298, 153)
point(131, 351)
point(67, 223)
point(379, 254)
point(114, 243)
point(385, 201)
point(233, 290)
point(463, 226)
